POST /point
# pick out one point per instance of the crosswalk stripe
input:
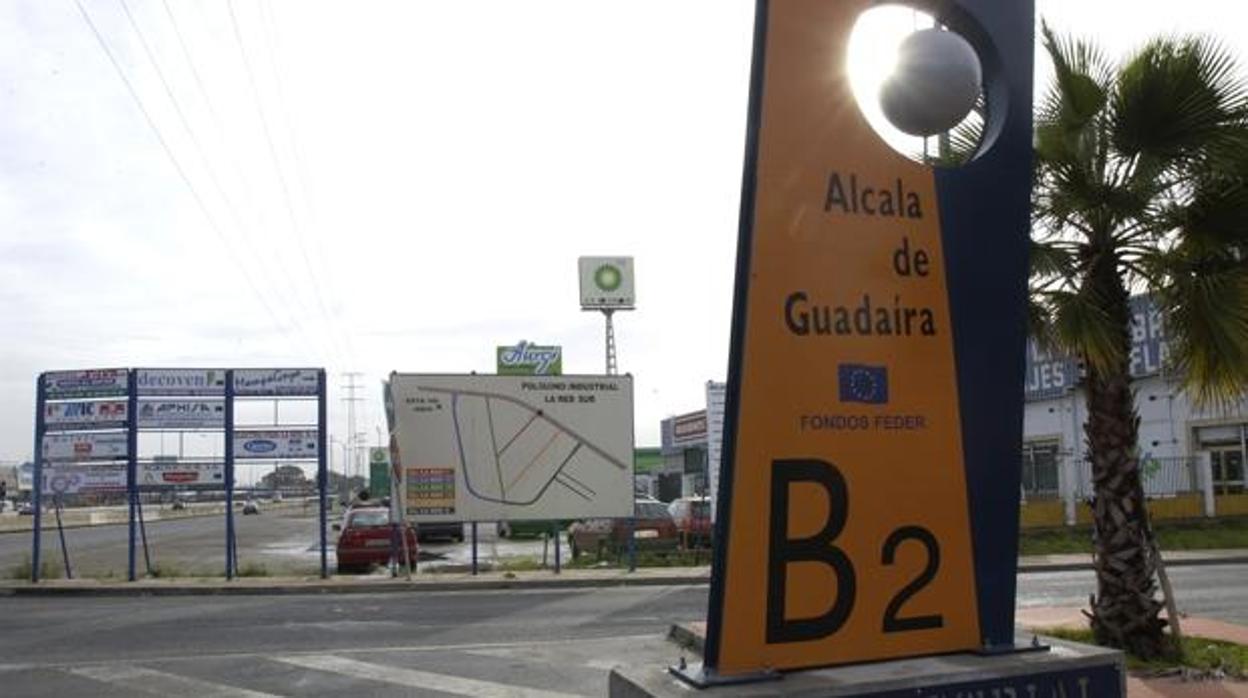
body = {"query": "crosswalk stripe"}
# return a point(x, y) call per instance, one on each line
point(416, 679)
point(159, 683)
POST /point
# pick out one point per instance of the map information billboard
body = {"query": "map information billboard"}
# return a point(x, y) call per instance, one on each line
point(489, 448)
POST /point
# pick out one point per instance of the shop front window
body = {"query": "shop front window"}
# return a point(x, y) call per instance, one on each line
point(1228, 471)
point(1040, 479)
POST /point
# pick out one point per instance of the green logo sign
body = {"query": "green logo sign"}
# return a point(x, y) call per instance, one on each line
point(525, 359)
point(608, 277)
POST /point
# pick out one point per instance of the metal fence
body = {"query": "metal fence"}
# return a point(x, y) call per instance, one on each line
point(1161, 477)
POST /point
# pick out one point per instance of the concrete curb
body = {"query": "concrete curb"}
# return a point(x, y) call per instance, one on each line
point(1032, 568)
point(223, 588)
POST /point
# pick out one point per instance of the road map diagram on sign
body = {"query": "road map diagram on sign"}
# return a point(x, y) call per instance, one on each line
point(515, 447)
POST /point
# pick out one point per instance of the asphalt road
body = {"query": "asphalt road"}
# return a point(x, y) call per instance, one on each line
point(505, 643)
point(1214, 591)
point(281, 541)
point(522, 643)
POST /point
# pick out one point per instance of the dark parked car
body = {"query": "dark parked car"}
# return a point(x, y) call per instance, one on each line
point(529, 529)
point(453, 530)
point(365, 540)
point(654, 530)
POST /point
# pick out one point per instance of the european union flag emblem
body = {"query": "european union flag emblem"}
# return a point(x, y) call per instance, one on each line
point(862, 383)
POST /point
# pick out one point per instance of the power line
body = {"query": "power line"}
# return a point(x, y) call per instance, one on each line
point(230, 205)
point(353, 445)
point(272, 41)
point(212, 222)
point(277, 168)
point(199, 148)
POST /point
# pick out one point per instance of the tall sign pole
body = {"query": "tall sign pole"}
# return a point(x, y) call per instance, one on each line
point(132, 463)
point(322, 467)
point(613, 367)
point(41, 391)
point(229, 475)
point(867, 506)
point(607, 285)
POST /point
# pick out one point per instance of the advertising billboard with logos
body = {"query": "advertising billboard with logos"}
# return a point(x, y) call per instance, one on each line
point(276, 381)
point(73, 479)
point(94, 414)
point(491, 448)
point(107, 382)
point(528, 359)
point(181, 414)
point(180, 381)
point(268, 444)
point(180, 474)
point(689, 429)
point(607, 283)
point(85, 446)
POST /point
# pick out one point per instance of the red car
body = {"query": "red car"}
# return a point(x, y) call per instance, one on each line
point(652, 530)
point(365, 540)
point(693, 520)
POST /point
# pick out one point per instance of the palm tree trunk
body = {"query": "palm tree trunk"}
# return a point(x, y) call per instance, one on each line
point(1125, 612)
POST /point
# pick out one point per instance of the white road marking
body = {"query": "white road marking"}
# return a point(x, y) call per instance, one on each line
point(159, 683)
point(416, 679)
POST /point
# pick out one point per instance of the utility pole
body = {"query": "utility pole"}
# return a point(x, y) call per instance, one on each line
point(350, 398)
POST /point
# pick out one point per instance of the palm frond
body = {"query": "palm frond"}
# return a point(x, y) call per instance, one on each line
point(1082, 327)
point(1206, 316)
point(1176, 99)
point(1040, 324)
point(1050, 260)
point(1216, 215)
point(1081, 81)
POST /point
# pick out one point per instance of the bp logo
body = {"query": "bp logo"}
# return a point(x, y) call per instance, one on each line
point(608, 277)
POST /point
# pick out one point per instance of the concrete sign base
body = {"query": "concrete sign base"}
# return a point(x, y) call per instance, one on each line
point(1066, 670)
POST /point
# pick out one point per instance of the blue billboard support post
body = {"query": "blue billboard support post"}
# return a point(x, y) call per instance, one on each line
point(229, 474)
point(132, 460)
point(147, 554)
point(322, 474)
point(37, 485)
point(474, 548)
point(60, 530)
point(632, 544)
point(554, 531)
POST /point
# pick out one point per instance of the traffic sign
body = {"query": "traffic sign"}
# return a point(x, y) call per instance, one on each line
point(868, 495)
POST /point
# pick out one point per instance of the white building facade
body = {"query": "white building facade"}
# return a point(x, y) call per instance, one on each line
point(1184, 449)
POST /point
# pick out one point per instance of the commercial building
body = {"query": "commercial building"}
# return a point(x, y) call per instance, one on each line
point(690, 449)
point(1192, 456)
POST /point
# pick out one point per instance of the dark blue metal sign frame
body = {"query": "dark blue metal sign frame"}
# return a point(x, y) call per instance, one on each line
point(133, 502)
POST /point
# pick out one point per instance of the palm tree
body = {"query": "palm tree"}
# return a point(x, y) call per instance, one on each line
point(1141, 186)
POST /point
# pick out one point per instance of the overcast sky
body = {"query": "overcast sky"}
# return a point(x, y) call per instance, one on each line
point(387, 186)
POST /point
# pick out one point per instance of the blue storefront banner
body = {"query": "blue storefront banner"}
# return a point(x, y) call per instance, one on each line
point(1050, 375)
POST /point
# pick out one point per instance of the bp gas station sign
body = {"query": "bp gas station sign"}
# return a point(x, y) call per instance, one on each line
point(868, 496)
